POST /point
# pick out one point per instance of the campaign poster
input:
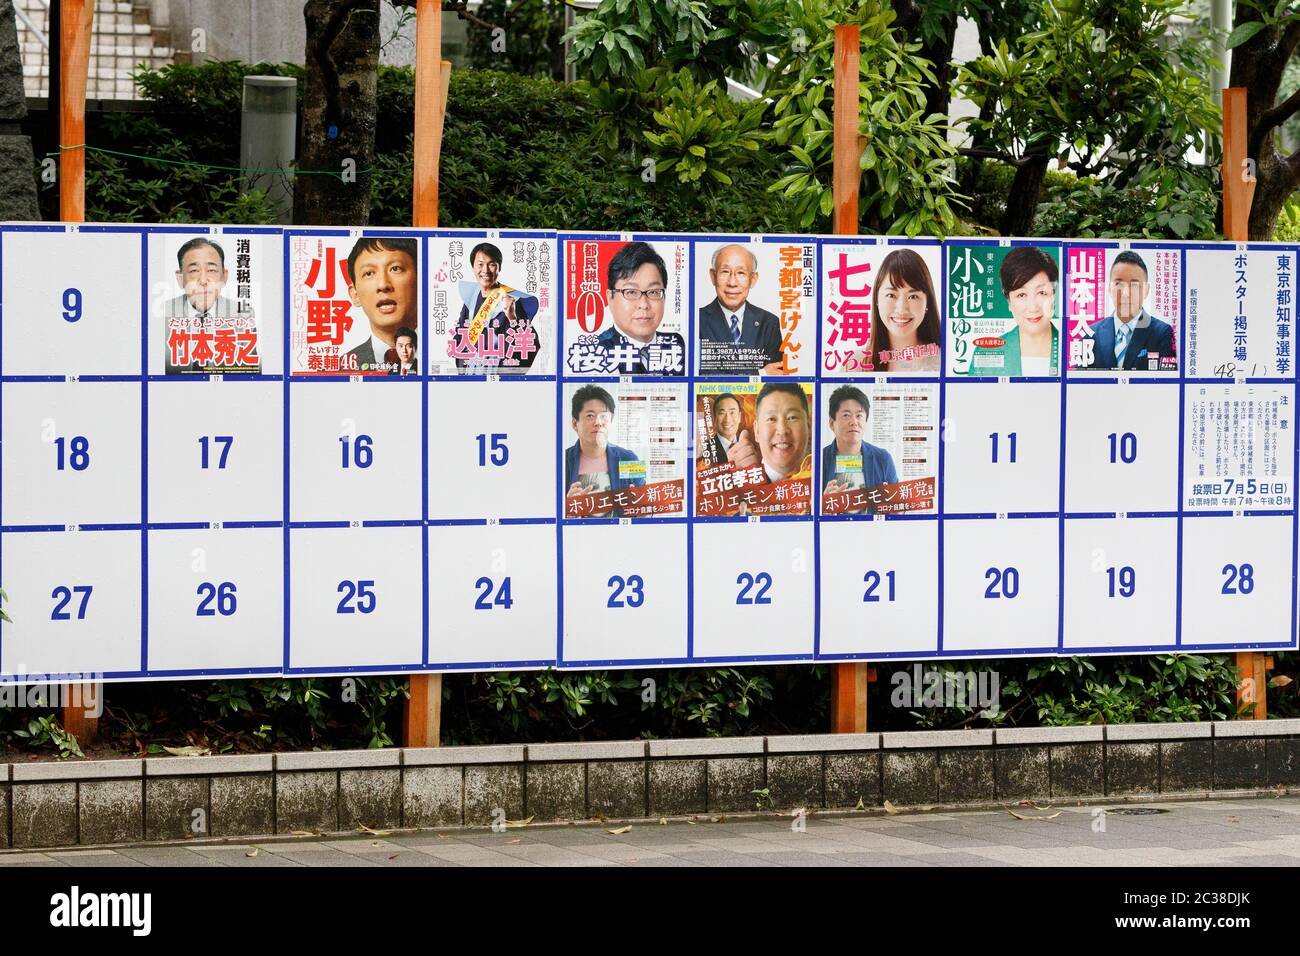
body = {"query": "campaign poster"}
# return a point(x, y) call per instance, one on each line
point(210, 297)
point(1123, 307)
point(1240, 307)
point(491, 305)
point(625, 450)
point(753, 448)
point(625, 306)
point(1003, 314)
point(1240, 442)
point(354, 304)
point(880, 313)
point(882, 450)
point(755, 305)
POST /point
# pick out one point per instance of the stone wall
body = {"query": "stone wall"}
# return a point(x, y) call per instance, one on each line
point(48, 804)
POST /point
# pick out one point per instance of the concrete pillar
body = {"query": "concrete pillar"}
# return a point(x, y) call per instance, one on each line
point(268, 139)
point(17, 164)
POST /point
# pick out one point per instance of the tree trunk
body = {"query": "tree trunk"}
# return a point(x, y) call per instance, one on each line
point(18, 196)
point(338, 112)
point(1022, 201)
point(939, 96)
point(1258, 65)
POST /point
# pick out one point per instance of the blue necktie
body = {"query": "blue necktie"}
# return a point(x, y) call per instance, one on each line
point(1121, 344)
point(735, 330)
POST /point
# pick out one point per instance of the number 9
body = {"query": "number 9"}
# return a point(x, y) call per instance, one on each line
point(71, 304)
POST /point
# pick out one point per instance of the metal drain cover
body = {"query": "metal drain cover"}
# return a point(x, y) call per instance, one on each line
point(1135, 811)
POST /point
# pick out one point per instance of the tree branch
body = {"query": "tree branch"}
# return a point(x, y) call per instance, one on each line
point(1278, 114)
point(999, 155)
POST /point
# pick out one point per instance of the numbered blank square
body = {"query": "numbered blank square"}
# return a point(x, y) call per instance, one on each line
point(1238, 580)
point(74, 598)
point(492, 594)
point(72, 303)
point(1000, 586)
point(879, 587)
point(356, 597)
point(624, 592)
point(355, 451)
point(71, 453)
point(1121, 448)
point(754, 589)
point(492, 450)
point(216, 599)
point(1002, 447)
point(216, 451)
point(1121, 580)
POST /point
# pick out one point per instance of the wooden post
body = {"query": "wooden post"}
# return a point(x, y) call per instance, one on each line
point(1238, 194)
point(848, 681)
point(422, 712)
point(74, 71)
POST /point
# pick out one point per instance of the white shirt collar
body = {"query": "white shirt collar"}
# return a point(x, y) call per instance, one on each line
point(632, 339)
point(773, 476)
point(725, 442)
point(379, 347)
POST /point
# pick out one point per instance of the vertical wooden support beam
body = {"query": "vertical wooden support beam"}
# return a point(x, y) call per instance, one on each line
point(1238, 194)
point(422, 711)
point(74, 72)
point(848, 681)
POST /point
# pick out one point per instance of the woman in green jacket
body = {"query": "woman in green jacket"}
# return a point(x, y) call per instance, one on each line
point(1033, 347)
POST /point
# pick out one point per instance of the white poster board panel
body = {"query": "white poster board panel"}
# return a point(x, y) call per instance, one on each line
point(216, 451)
point(755, 589)
point(355, 451)
point(1000, 584)
point(71, 302)
point(492, 593)
point(71, 453)
point(491, 450)
point(1121, 448)
point(356, 597)
point(1121, 582)
point(1238, 580)
point(74, 600)
point(216, 599)
point(1240, 312)
point(1002, 447)
point(624, 592)
point(879, 587)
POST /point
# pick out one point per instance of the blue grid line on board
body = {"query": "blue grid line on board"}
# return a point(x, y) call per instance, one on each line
point(205, 377)
point(688, 474)
point(339, 670)
point(2, 257)
point(287, 357)
point(1061, 477)
point(561, 366)
point(144, 452)
point(940, 479)
point(423, 379)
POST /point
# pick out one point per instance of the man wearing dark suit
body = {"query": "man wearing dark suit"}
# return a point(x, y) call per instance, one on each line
point(736, 336)
point(402, 357)
point(1130, 336)
point(637, 287)
point(202, 273)
point(382, 281)
point(592, 464)
point(506, 309)
point(726, 425)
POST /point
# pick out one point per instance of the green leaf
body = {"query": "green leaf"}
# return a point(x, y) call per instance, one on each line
point(1243, 33)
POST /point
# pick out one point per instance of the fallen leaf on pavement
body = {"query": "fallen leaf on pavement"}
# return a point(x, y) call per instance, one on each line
point(890, 808)
point(519, 823)
point(252, 852)
point(1030, 816)
point(626, 829)
point(188, 751)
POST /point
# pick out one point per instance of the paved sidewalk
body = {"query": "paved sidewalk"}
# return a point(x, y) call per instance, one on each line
point(1215, 833)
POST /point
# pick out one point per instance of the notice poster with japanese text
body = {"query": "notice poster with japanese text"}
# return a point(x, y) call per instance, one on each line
point(491, 305)
point(880, 310)
point(753, 449)
point(213, 302)
point(1123, 307)
point(882, 453)
point(625, 306)
point(755, 307)
point(1240, 309)
point(1239, 447)
point(1003, 310)
point(624, 450)
point(354, 304)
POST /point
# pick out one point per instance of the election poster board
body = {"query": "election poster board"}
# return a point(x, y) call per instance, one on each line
point(250, 450)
